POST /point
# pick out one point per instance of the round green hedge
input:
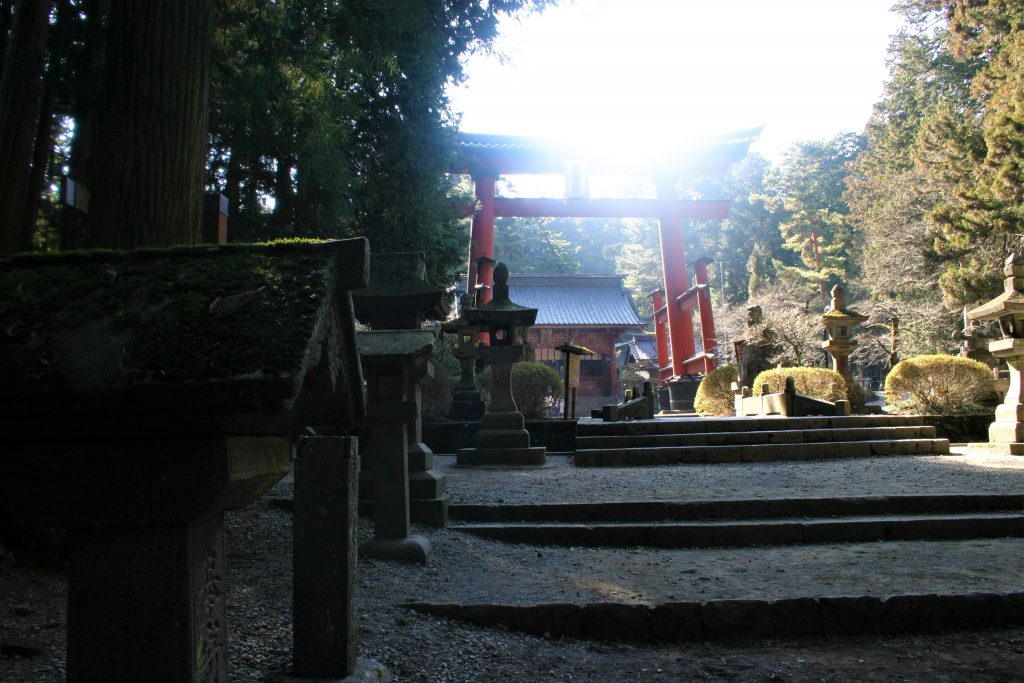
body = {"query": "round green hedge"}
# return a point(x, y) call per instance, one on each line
point(938, 384)
point(532, 384)
point(714, 395)
point(820, 383)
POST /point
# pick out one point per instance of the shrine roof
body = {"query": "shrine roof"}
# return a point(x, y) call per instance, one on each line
point(643, 347)
point(576, 300)
point(510, 154)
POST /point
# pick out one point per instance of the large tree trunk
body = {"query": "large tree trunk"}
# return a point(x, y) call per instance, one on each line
point(88, 70)
point(150, 146)
point(40, 165)
point(20, 89)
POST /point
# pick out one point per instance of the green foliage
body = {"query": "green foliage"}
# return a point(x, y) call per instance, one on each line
point(714, 395)
point(338, 111)
point(938, 384)
point(815, 223)
point(639, 259)
point(532, 384)
point(941, 180)
point(820, 383)
point(436, 391)
point(528, 245)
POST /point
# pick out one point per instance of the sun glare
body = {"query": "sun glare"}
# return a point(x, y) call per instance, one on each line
point(630, 77)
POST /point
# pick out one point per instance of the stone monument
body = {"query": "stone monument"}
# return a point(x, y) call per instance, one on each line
point(502, 439)
point(1006, 434)
point(144, 393)
point(399, 297)
point(839, 322)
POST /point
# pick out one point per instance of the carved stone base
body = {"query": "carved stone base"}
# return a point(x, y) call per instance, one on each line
point(516, 457)
point(366, 671)
point(408, 549)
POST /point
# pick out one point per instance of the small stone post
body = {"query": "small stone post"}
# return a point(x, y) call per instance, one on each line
point(324, 525)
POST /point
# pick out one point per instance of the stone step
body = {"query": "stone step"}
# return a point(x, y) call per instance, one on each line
point(777, 436)
point(677, 621)
point(748, 533)
point(746, 509)
point(741, 424)
point(672, 455)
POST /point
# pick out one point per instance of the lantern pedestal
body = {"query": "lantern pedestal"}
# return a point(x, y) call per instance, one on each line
point(1006, 434)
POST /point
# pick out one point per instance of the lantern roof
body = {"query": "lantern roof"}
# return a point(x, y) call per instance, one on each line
point(1011, 301)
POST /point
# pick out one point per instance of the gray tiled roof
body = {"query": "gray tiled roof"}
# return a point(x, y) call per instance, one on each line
point(583, 300)
point(643, 347)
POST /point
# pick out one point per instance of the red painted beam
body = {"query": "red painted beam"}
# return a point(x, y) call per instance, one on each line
point(699, 209)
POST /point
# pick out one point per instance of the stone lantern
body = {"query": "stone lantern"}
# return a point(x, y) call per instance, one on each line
point(1006, 434)
point(502, 439)
point(466, 403)
point(839, 322)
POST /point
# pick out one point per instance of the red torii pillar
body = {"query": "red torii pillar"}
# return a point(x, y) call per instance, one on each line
point(674, 306)
point(707, 321)
point(673, 265)
point(661, 334)
point(481, 238)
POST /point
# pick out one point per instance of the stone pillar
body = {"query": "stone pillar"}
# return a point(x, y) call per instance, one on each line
point(392, 534)
point(391, 360)
point(427, 500)
point(146, 602)
point(325, 524)
point(146, 577)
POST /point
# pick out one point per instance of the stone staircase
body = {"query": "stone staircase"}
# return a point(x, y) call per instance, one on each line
point(752, 439)
point(742, 523)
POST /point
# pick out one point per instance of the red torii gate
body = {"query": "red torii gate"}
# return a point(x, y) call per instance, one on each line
point(486, 157)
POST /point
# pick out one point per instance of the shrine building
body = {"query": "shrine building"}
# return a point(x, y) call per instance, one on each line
point(594, 311)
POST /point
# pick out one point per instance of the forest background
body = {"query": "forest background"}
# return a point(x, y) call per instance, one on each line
point(331, 119)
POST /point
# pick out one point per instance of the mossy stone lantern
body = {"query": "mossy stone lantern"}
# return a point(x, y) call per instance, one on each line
point(1006, 434)
point(466, 349)
point(839, 322)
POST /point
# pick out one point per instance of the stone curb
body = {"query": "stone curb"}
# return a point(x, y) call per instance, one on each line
point(739, 619)
point(755, 533)
point(681, 455)
point(744, 424)
point(749, 509)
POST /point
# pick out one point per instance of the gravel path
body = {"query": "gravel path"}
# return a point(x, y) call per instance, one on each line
point(562, 482)
point(428, 649)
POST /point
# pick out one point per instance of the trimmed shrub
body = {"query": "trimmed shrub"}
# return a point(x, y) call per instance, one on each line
point(532, 384)
point(938, 384)
point(820, 383)
point(714, 395)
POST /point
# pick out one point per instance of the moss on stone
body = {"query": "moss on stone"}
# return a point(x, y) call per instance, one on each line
point(175, 315)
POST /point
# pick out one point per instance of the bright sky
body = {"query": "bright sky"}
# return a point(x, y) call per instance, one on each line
point(643, 71)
